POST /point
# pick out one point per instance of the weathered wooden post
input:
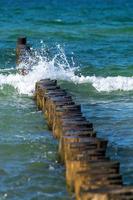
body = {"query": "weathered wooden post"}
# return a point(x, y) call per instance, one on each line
point(89, 173)
point(20, 49)
point(22, 54)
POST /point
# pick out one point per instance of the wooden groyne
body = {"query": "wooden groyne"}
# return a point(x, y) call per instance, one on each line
point(90, 174)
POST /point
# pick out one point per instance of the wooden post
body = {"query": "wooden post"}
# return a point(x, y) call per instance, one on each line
point(20, 49)
point(89, 173)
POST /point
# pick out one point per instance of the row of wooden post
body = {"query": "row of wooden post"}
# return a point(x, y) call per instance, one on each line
point(90, 174)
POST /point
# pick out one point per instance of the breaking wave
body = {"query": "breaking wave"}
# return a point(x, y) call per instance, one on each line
point(42, 66)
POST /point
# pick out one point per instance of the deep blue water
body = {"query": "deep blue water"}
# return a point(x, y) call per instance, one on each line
point(99, 32)
point(93, 45)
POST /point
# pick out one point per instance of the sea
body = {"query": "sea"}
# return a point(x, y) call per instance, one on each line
point(88, 47)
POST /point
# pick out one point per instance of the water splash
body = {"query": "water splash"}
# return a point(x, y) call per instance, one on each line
point(41, 64)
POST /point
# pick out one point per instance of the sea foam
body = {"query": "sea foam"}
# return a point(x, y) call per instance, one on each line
point(59, 68)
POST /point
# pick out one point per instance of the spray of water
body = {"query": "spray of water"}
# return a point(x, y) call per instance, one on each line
point(41, 64)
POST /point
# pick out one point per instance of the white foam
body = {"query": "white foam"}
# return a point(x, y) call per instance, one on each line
point(59, 68)
point(107, 84)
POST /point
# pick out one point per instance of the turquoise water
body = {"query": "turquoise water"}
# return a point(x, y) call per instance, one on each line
point(88, 47)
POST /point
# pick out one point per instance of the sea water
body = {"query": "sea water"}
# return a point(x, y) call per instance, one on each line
point(87, 46)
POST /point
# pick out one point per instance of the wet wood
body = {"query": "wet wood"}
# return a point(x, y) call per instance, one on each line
point(89, 172)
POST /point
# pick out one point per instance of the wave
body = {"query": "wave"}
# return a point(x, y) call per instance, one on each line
point(108, 84)
point(59, 68)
